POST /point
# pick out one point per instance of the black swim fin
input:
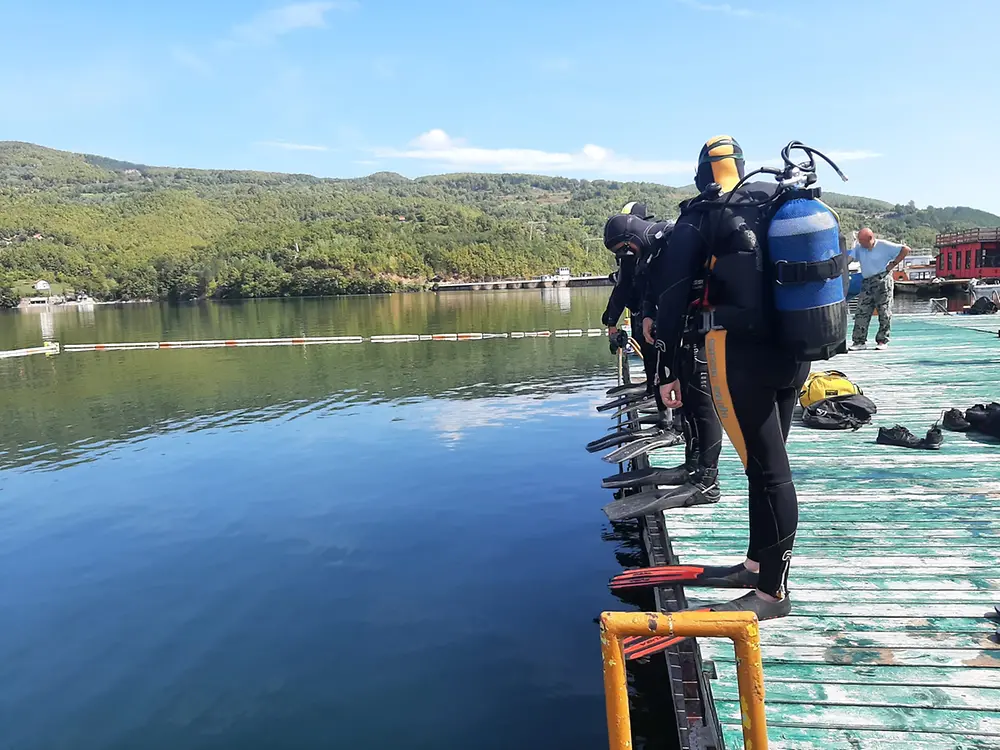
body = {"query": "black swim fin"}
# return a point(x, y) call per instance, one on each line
point(651, 477)
point(641, 447)
point(627, 388)
point(645, 410)
point(653, 501)
point(644, 420)
point(622, 437)
point(628, 399)
point(711, 576)
point(750, 602)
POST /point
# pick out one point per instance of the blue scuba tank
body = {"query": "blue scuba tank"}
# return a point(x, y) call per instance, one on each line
point(809, 277)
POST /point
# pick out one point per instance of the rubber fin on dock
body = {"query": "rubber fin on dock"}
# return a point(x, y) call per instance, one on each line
point(629, 399)
point(638, 646)
point(621, 437)
point(651, 477)
point(708, 576)
point(627, 388)
point(641, 447)
point(653, 500)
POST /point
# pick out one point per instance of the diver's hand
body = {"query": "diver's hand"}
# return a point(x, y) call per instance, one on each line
point(647, 330)
point(671, 394)
point(612, 331)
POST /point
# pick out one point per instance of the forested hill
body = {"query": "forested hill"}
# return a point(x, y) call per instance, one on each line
point(130, 231)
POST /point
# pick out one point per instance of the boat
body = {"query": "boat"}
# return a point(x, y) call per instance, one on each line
point(989, 288)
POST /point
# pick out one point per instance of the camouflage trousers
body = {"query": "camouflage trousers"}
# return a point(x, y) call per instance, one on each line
point(876, 292)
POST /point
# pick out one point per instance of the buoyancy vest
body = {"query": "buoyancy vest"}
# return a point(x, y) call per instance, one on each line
point(777, 270)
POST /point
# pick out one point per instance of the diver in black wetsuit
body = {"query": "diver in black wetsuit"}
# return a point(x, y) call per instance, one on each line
point(702, 429)
point(754, 383)
point(641, 248)
point(629, 235)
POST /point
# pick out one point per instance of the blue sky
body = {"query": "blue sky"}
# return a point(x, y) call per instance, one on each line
point(583, 89)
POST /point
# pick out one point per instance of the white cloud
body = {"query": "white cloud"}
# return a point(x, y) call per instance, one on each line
point(291, 146)
point(267, 26)
point(438, 147)
point(724, 8)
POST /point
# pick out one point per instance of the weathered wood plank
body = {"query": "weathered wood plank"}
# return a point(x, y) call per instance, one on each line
point(887, 696)
point(872, 675)
point(824, 738)
point(867, 610)
point(946, 721)
point(862, 655)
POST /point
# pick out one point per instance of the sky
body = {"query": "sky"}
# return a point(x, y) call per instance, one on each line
point(904, 93)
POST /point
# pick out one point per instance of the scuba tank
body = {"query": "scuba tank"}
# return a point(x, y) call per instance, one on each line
point(779, 269)
point(809, 276)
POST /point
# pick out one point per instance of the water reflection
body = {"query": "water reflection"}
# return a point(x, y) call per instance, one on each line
point(559, 296)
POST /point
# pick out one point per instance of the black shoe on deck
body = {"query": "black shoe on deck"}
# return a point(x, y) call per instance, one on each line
point(933, 440)
point(898, 436)
point(764, 610)
point(955, 421)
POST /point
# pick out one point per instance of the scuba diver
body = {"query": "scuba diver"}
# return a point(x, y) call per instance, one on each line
point(629, 237)
point(775, 279)
point(629, 234)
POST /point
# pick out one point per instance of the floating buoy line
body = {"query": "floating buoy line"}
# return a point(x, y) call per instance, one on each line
point(50, 348)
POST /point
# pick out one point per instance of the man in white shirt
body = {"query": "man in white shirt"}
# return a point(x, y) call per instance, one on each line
point(877, 259)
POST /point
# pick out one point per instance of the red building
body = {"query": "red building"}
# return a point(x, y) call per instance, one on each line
point(972, 254)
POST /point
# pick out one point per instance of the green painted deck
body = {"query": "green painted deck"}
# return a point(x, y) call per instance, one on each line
point(896, 567)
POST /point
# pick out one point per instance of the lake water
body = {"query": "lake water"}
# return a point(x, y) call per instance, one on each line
point(308, 547)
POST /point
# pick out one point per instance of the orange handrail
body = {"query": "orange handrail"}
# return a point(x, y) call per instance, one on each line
point(740, 627)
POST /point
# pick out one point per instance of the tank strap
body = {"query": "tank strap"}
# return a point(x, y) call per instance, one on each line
point(791, 272)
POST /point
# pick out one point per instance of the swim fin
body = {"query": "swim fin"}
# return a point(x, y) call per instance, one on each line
point(647, 477)
point(626, 400)
point(750, 602)
point(621, 437)
point(638, 646)
point(654, 500)
point(641, 447)
point(711, 576)
point(642, 410)
point(644, 420)
point(627, 388)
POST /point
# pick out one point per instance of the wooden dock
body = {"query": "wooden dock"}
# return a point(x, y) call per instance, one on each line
point(892, 641)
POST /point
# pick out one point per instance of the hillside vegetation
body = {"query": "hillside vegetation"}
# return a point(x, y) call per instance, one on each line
point(129, 231)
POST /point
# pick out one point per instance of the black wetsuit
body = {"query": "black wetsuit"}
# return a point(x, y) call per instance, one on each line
point(630, 291)
point(703, 432)
point(754, 385)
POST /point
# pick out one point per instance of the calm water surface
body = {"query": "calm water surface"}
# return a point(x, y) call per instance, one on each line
point(335, 546)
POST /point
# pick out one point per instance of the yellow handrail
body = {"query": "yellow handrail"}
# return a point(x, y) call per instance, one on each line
point(740, 627)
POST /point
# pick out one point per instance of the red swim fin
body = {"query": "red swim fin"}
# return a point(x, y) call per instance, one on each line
point(638, 646)
point(712, 576)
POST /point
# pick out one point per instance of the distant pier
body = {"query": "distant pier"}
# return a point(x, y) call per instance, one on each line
point(545, 282)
